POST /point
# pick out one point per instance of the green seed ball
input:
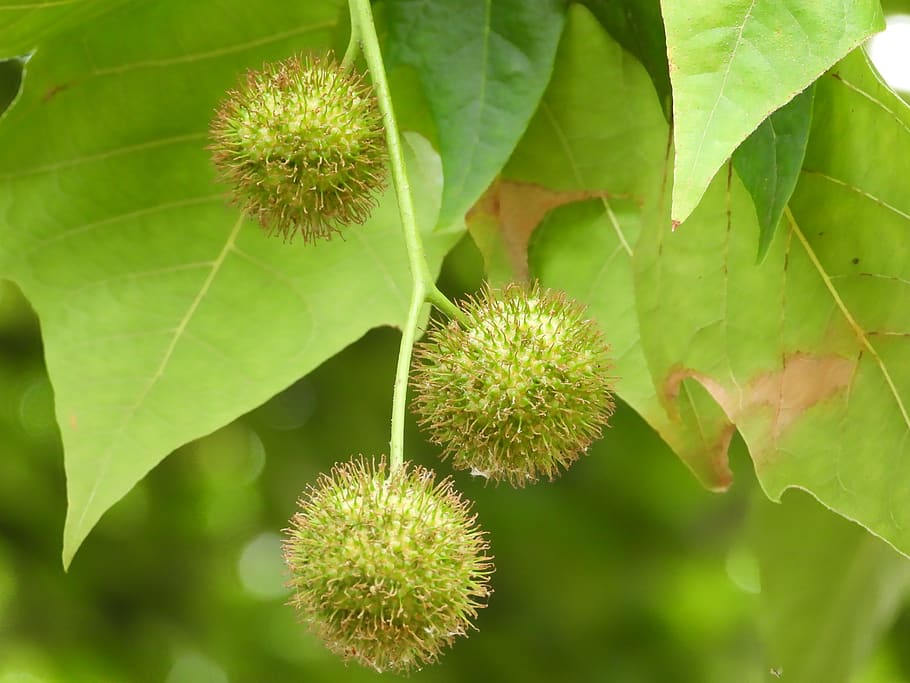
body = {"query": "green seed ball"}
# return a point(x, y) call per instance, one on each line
point(386, 568)
point(517, 390)
point(302, 145)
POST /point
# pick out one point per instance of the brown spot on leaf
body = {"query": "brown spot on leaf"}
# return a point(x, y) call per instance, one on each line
point(803, 382)
point(783, 396)
point(720, 464)
point(517, 209)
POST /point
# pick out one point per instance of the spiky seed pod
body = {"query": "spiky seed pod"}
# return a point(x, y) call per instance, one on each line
point(386, 569)
point(518, 390)
point(302, 144)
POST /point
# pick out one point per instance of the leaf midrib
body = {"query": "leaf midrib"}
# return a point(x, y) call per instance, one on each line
point(160, 370)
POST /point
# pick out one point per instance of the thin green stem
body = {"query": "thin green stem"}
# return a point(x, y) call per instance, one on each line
point(423, 287)
point(362, 14)
point(353, 50)
point(400, 392)
point(441, 301)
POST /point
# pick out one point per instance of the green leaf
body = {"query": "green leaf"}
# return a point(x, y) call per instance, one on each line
point(810, 350)
point(578, 249)
point(598, 100)
point(24, 24)
point(828, 589)
point(484, 66)
point(600, 103)
point(639, 28)
point(769, 161)
point(733, 63)
point(164, 315)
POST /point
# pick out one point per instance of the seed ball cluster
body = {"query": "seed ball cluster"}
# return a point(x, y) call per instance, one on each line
point(517, 390)
point(301, 142)
point(386, 569)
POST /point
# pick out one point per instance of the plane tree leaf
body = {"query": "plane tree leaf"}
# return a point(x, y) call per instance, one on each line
point(809, 350)
point(164, 314)
point(733, 63)
point(769, 161)
point(600, 103)
point(483, 66)
point(599, 98)
point(801, 352)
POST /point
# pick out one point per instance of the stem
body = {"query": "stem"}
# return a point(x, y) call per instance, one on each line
point(353, 50)
point(400, 392)
point(423, 287)
point(441, 301)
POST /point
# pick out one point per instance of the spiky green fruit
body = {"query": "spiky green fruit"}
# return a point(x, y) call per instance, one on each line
point(517, 390)
point(386, 568)
point(301, 143)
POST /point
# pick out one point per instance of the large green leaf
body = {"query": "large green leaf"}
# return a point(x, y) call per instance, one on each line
point(600, 103)
point(733, 63)
point(484, 66)
point(808, 352)
point(24, 24)
point(599, 100)
point(165, 315)
point(769, 161)
point(828, 589)
point(795, 352)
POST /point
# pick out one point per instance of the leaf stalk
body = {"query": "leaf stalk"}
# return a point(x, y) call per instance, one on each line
point(423, 286)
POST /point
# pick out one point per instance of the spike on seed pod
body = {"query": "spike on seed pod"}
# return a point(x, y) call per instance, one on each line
point(517, 391)
point(302, 145)
point(386, 568)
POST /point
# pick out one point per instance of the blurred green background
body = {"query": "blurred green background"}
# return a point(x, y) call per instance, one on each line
point(624, 570)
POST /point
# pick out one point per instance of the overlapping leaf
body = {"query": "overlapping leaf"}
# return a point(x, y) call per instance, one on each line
point(808, 353)
point(600, 105)
point(484, 66)
point(769, 161)
point(10, 81)
point(733, 63)
point(638, 27)
point(164, 315)
point(802, 353)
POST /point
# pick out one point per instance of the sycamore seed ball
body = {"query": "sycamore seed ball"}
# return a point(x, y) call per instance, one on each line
point(302, 145)
point(519, 389)
point(386, 569)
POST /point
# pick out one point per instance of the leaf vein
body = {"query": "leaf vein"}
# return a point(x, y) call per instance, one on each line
point(840, 79)
point(567, 150)
point(113, 220)
point(162, 366)
point(723, 85)
point(107, 154)
point(211, 54)
point(860, 333)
